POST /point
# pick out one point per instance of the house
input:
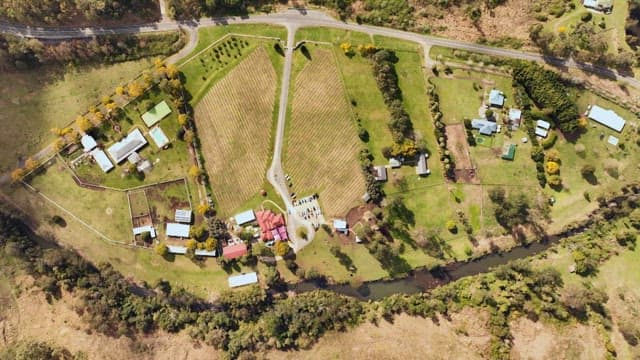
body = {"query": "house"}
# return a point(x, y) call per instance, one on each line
point(157, 113)
point(245, 217)
point(421, 168)
point(600, 5)
point(395, 163)
point(178, 230)
point(484, 126)
point(543, 124)
point(88, 142)
point(122, 149)
point(183, 216)
point(102, 160)
point(380, 173)
point(243, 279)
point(158, 136)
point(608, 118)
point(143, 229)
point(234, 251)
point(496, 98)
point(272, 226)
point(509, 152)
point(341, 226)
point(515, 115)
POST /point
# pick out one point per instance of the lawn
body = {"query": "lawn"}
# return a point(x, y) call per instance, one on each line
point(235, 125)
point(35, 101)
point(322, 141)
point(164, 200)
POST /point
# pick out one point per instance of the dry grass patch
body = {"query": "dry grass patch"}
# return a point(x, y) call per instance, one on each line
point(323, 143)
point(234, 121)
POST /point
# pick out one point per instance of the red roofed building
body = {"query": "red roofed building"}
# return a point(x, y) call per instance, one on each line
point(234, 251)
point(272, 226)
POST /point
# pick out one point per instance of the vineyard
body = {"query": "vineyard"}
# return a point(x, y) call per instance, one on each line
point(234, 121)
point(323, 144)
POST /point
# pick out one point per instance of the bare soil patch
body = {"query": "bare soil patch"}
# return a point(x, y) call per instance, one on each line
point(457, 144)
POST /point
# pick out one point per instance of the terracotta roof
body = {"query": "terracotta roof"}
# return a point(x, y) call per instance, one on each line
point(270, 225)
point(234, 251)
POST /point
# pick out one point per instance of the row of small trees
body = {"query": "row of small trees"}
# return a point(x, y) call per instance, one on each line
point(446, 159)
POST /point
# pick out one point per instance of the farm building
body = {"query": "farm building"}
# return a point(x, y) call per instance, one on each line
point(341, 226)
point(88, 142)
point(272, 226)
point(245, 217)
point(158, 136)
point(608, 118)
point(496, 98)
point(178, 230)
point(509, 152)
point(183, 216)
point(211, 253)
point(421, 168)
point(180, 250)
point(515, 115)
point(144, 229)
point(242, 280)
point(234, 251)
point(484, 126)
point(157, 113)
point(600, 5)
point(394, 163)
point(102, 160)
point(122, 149)
point(380, 173)
point(542, 128)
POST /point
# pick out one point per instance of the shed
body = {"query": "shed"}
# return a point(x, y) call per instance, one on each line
point(178, 230)
point(245, 217)
point(134, 158)
point(180, 250)
point(211, 253)
point(509, 152)
point(366, 197)
point(515, 115)
point(394, 163)
point(608, 118)
point(234, 251)
point(421, 168)
point(613, 140)
point(159, 137)
point(542, 132)
point(183, 216)
point(243, 279)
point(380, 173)
point(143, 229)
point(157, 113)
point(340, 225)
point(88, 142)
point(496, 98)
point(543, 124)
point(102, 160)
point(122, 149)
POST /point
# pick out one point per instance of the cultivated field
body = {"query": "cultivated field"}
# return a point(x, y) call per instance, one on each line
point(323, 144)
point(234, 123)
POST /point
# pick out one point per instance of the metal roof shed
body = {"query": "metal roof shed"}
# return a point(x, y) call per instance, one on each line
point(496, 98)
point(608, 118)
point(243, 279)
point(88, 142)
point(543, 124)
point(181, 250)
point(122, 149)
point(183, 216)
point(245, 217)
point(178, 230)
point(102, 160)
point(340, 225)
point(157, 113)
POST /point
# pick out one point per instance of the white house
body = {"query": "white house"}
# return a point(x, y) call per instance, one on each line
point(122, 149)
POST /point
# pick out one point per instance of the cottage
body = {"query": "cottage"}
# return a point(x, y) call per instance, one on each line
point(421, 168)
point(179, 250)
point(380, 173)
point(157, 113)
point(183, 216)
point(131, 143)
point(178, 230)
point(102, 160)
point(245, 217)
point(496, 98)
point(207, 253)
point(341, 226)
point(484, 126)
point(88, 142)
point(272, 226)
point(243, 279)
point(608, 118)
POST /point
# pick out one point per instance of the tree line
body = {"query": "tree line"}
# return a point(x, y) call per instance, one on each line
point(23, 53)
point(69, 11)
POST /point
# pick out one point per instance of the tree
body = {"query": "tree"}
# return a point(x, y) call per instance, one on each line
point(83, 123)
point(183, 119)
point(172, 71)
point(119, 90)
point(552, 167)
point(162, 249)
point(30, 164)
point(191, 244)
point(211, 244)
point(580, 297)
point(59, 144)
point(554, 180)
point(195, 172)
point(612, 166)
point(17, 174)
point(452, 227)
point(588, 171)
point(302, 232)
point(203, 208)
point(282, 247)
point(134, 89)
point(188, 136)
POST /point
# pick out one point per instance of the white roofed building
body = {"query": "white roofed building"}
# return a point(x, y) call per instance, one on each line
point(183, 216)
point(245, 217)
point(122, 149)
point(178, 230)
point(341, 226)
point(102, 160)
point(543, 124)
point(380, 173)
point(88, 142)
point(608, 118)
point(242, 280)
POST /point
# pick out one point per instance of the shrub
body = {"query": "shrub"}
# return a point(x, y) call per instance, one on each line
point(586, 17)
point(550, 140)
point(553, 155)
point(282, 247)
point(302, 232)
point(162, 249)
point(612, 167)
point(452, 227)
point(554, 180)
point(552, 167)
point(588, 170)
point(580, 149)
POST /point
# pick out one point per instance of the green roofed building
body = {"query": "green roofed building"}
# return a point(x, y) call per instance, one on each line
point(157, 113)
point(509, 152)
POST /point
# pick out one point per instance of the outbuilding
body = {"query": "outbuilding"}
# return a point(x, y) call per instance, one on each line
point(183, 216)
point(608, 118)
point(421, 168)
point(341, 226)
point(88, 142)
point(178, 230)
point(496, 98)
point(245, 217)
point(380, 173)
point(102, 160)
point(243, 279)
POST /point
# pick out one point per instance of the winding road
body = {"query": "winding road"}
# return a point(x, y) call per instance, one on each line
point(292, 20)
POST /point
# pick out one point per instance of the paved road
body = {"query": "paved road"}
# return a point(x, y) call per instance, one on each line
point(304, 19)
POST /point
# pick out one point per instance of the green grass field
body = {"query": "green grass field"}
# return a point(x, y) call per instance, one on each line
point(33, 102)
